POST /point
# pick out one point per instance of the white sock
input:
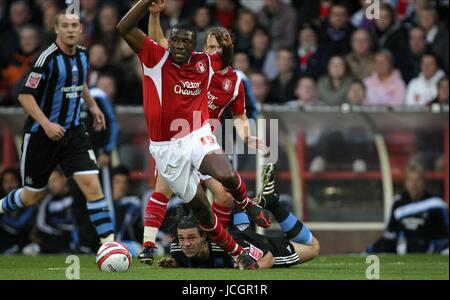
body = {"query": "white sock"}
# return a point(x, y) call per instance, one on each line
point(150, 234)
point(109, 238)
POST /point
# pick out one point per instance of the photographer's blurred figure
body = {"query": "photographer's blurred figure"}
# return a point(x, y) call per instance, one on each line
point(127, 211)
point(54, 230)
point(14, 228)
point(419, 221)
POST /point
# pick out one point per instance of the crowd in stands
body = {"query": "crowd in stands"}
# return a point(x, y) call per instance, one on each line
point(304, 52)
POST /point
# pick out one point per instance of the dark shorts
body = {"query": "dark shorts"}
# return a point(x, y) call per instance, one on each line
point(284, 253)
point(40, 156)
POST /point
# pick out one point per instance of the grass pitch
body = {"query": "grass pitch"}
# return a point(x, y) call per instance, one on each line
point(53, 267)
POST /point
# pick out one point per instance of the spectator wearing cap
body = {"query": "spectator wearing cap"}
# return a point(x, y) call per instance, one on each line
point(385, 86)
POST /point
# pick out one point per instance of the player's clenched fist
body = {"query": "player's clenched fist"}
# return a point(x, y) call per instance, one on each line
point(224, 38)
point(156, 6)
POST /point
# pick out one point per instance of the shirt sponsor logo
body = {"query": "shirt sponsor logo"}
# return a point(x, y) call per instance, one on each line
point(211, 100)
point(188, 88)
point(33, 80)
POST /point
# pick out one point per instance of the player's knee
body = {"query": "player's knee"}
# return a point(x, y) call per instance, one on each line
point(31, 198)
point(226, 176)
point(223, 198)
point(91, 188)
point(316, 247)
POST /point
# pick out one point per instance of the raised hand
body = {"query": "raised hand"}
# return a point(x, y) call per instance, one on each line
point(157, 6)
point(224, 39)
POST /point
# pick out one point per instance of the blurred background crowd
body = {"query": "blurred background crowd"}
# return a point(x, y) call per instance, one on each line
point(295, 52)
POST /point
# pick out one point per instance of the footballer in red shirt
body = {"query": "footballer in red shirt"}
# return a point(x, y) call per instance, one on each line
point(176, 108)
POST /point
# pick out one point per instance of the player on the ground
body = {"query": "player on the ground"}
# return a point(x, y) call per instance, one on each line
point(226, 89)
point(175, 104)
point(54, 135)
point(192, 249)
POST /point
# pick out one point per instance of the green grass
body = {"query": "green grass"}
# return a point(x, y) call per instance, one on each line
point(427, 267)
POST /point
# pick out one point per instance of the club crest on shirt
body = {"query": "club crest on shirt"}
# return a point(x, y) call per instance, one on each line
point(227, 85)
point(201, 67)
point(33, 80)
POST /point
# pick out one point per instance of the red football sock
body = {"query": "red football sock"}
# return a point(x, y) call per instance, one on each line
point(222, 238)
point(154, 216)
point(240, 194)
point(223, 213)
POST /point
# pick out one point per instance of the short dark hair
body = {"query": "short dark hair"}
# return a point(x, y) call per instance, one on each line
point(61, 13)
point(186, 220)
point(186, 27)
point(431, 54)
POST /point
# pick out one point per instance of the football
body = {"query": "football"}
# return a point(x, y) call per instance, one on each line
point(113, 257)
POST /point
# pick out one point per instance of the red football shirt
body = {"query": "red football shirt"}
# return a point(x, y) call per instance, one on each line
point(226, 89)
point(175, 97)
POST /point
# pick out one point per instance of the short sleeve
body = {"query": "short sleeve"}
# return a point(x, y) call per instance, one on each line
point(238, 105)
point(216, 61)
point(35, 80)
point(151, 53)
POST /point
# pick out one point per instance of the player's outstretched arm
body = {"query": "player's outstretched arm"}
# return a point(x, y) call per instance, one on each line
point(242, 126)
point(226, 42)
point(155, 31)
point(266, 262)
point(128, 26)
point(54, 131)
point(168, 262)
